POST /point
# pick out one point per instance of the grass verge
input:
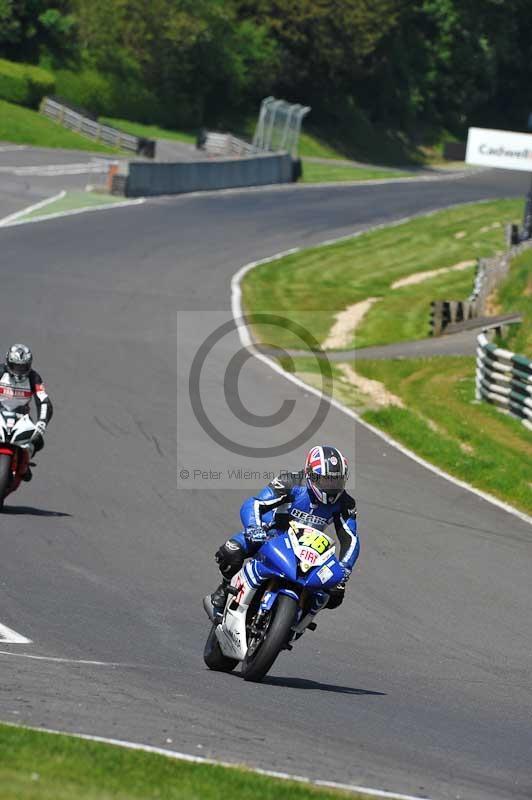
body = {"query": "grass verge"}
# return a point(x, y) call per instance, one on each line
point(23, 126)
point(322, 281)
point(439, 420)
point(515, 294)
point(72, 201)
point(426, 404)
point(325, 173)
point(41, 766)
point(149, 131)
point(442, 422)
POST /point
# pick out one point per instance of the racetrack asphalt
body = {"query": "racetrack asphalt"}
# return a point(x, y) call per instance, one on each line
point(29, 175)
point(419, 683)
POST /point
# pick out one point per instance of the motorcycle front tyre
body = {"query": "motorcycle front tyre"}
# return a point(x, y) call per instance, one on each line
point(213, 656)
point(277, 635)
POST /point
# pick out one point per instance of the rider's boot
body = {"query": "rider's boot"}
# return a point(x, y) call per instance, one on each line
point(214, 603)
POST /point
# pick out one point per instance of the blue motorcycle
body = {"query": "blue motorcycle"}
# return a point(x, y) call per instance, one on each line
point(273, 600)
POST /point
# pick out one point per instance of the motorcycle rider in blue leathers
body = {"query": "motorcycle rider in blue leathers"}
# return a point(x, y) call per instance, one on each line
point(316, 497)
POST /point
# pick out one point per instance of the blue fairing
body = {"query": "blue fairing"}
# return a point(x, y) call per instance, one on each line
point(312, 580)
point(277, 558)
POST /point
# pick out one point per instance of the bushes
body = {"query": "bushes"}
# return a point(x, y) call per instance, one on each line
point(102, 95)
point(24, 84)
point(86, 88)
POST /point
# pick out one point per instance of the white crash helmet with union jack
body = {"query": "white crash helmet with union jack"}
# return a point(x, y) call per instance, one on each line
point(326, 471)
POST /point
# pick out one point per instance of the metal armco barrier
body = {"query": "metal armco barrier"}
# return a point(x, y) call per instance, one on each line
point(225, 144)
point(505, 379)
point(69, 118)
point(490, 273)
point(154, 179)
point(447, 312)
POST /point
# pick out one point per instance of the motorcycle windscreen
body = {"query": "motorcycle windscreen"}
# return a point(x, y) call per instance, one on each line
point(279, 558)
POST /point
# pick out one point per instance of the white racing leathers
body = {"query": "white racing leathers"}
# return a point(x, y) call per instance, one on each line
point(16, 395)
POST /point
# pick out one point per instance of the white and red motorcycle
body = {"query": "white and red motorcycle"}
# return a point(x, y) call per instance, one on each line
point(16, 450)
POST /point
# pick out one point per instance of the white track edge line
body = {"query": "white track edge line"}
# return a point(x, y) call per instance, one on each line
point(303, 187)
point(174, 754)
point(10, 220)
point(247, 341)
point(73, 211)
point(57, 659)
point(9, 636)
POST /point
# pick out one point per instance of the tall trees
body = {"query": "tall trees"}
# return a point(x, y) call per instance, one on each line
point(408, 65)
point(30, 29)
point(195, 56)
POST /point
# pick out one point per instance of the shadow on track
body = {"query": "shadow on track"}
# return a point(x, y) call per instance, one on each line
point(303, 683)
point(33, 512)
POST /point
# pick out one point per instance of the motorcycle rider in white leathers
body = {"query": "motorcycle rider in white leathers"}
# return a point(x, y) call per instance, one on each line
point(19, 384)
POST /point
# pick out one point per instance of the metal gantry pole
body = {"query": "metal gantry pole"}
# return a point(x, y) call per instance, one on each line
point(279, 126)
point(302, 113)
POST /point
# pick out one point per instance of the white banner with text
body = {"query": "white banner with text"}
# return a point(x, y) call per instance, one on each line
point(501, 149)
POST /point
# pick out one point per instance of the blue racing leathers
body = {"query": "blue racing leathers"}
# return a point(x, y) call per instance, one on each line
point(288, 497)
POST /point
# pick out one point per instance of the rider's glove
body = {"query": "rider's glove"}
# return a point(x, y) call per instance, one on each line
point(347, 572)
point(40, 427)
point(256, 534)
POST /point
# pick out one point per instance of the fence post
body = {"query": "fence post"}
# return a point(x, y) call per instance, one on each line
point(436, 317)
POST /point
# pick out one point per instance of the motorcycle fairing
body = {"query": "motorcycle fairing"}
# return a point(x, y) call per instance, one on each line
point(231, 633)
point(279, 557)
point(284, 550)
point(270, 597)
point(15, 428)
point(276, 558)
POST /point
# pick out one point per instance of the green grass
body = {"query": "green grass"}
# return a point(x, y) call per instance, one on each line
point(324, 173)
point(403, 314)
point(442, 423)
point(40, 766)
point(515, 294)
point(23, 126)
point(24, 83)
point(355, 137)
point(149, 131)
point(310, 287)
point(311, 146)
point(73, 200)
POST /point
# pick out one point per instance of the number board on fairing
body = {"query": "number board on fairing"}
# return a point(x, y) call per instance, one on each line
point(316, 541)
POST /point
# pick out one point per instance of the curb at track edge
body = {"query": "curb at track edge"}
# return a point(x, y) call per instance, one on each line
point(177, 756)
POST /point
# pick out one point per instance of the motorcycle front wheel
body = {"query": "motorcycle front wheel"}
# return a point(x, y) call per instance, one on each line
point(213, 656)
point(284, 614)
point(5, 477)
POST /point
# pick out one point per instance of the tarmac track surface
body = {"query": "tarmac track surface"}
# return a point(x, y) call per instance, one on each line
point(29, 175)
point(420, 683)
